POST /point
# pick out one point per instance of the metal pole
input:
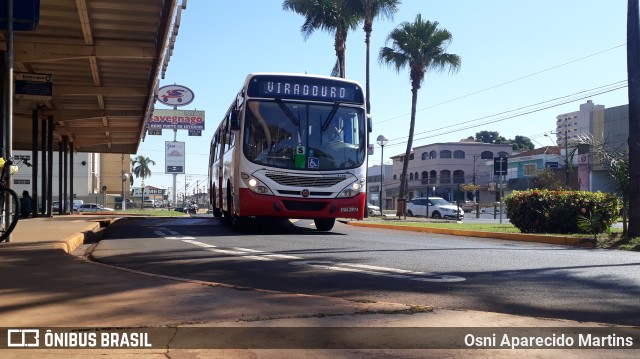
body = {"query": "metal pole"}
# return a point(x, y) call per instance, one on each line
point(61, 179)
point(8, 125)
point(34, 161)
point(175, 175)
point(50, 128)
point(501, 190)
point(44, 189)
point(566, 158)
point(123, 204)
point(72, 191)
point(381, 175)
point(65, 175)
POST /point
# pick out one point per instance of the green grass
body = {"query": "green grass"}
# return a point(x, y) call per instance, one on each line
point(604, 240)
point(482, 227)
point(151, 212)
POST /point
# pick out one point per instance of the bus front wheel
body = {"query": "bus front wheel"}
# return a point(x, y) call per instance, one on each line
point(324, 224)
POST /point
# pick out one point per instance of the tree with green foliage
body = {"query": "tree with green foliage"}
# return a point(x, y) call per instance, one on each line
point(546, 179)
point(488, 136)
point(368, 10)
point(617, 163)
point(519, 143)
point(522, 143)
point(141, 166)
point(332, 16)
point(420, 45)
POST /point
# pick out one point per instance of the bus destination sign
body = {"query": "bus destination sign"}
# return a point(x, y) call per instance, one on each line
point(305, 89)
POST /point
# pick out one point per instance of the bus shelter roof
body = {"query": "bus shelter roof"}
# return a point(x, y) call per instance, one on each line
point(105, 58)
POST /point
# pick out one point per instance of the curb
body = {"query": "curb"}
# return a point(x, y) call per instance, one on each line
point(71, 242)
point(560, 240)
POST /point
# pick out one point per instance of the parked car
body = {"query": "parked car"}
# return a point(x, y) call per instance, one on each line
point(55, 205)
point(151, 203)
point(468, 206)
point(494, 209)
point(373, 210)
point(129, 204)
point(93, 207)
point(438, 208)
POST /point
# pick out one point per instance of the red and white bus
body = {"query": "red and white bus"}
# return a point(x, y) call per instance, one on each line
point(292, 146)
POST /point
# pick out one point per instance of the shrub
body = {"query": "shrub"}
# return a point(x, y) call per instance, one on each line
point(543, 211)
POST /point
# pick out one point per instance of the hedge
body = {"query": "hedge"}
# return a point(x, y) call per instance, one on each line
point(544, 211)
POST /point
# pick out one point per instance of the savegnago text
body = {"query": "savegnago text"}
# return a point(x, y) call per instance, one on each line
point(560, 340)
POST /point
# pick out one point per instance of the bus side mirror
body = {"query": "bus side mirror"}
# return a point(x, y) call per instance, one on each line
point(235, 120)
point(369, 123)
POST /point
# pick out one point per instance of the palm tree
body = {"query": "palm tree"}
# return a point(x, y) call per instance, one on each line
point(332, 16)
point(134, 162)
point(421, 46)
point(633, 73)
point(369, 10)
point(140, 166)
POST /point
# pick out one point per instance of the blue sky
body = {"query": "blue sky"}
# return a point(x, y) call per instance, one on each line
point(523, 55)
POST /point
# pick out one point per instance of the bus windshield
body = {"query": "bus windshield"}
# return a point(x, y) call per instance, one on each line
point(295, 135)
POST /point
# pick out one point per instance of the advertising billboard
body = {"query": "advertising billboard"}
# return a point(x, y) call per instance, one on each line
point(174, 155)
point(177, 119)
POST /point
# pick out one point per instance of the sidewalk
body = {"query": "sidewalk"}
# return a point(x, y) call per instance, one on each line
point(42, 286)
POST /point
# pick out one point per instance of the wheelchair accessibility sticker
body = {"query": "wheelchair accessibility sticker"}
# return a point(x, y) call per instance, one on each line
point(313, 162)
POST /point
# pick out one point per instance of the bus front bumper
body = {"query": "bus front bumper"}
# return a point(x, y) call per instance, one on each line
point(256, 205)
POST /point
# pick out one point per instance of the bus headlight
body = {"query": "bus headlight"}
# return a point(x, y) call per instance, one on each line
point(350, 191)
point(255, 185)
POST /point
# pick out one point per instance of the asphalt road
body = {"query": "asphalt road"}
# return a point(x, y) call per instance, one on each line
point(382, 265)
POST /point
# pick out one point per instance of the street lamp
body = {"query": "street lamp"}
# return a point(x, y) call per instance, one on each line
point(566, 155)
point(382, 141)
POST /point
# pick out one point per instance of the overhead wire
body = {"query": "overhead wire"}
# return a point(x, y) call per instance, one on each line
point(506, 83)
point(563, 100)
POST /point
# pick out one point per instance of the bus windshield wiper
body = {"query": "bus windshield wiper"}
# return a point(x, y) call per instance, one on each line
point(288, 112)
point(326, 123)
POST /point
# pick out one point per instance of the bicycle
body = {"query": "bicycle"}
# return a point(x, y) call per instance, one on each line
point(9, 203)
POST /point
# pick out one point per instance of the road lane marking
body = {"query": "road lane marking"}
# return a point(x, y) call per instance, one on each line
point(380, 271)
point(200, 244)
point(253, 254)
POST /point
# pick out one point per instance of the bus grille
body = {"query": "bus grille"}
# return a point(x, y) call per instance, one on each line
point(304, 206)
point(304, 181)
point(312, 193)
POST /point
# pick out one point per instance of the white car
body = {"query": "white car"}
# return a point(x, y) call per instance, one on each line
point(438, 208)
point(373, 210)
point(94, 207)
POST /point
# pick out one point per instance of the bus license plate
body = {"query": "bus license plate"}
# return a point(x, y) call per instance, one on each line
point(349, 209)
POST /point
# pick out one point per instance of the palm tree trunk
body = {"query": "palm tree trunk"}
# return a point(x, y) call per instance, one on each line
point(341, 48)
point(407, 156)
point(367, 41)
point(633, 73)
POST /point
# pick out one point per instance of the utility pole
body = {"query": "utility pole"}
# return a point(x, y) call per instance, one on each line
point(566, 158)
point(476, 197)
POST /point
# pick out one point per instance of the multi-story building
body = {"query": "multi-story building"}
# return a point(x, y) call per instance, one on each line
point(524, 166)
point(95, 176)
point(569, 126)
point(575, 164)
point(609, 127)
point(439, 169)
